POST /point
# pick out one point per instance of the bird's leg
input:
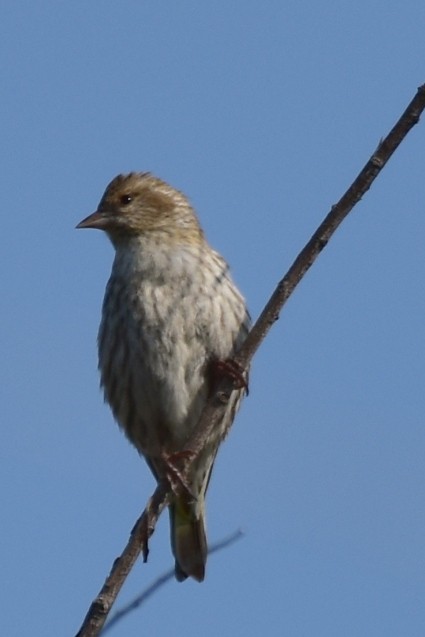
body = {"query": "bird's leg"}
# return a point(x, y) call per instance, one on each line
point(230, 369)
point(176, 475)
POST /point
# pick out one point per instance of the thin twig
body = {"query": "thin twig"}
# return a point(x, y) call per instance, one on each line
point(142, 530)
point(163, 579)
point(214, 411)
point(216, 407)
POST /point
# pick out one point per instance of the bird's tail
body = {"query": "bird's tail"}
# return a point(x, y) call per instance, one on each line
point(188, 539)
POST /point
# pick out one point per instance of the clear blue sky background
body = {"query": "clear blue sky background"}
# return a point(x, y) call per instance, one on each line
point(263, 112)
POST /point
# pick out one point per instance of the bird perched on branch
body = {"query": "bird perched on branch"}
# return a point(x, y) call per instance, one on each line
point(170, 312)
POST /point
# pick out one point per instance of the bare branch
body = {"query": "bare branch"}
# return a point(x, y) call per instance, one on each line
point(142, 530)
point(215, 409)
point(163, 579)
point(216, 406)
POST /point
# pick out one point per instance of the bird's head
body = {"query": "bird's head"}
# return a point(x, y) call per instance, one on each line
point(139, 203)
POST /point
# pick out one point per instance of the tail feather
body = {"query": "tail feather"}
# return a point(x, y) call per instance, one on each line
point(188, 539)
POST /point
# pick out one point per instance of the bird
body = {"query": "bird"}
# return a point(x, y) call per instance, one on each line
point(171, 316)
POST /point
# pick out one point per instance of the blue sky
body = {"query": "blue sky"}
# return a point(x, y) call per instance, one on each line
point(262, 113)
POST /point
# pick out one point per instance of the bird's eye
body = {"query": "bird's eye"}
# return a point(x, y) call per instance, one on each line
point(125, 199)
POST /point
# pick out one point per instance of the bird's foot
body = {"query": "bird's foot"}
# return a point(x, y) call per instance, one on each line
point(175, 474)
point(230, 369)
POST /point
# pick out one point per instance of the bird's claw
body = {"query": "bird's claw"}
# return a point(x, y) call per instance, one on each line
point(230, 369)
point(175, 475)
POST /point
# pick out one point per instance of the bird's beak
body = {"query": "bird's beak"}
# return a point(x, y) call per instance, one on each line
point(97, 220)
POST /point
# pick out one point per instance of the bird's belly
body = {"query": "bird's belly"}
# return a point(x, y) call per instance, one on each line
point(155, 383)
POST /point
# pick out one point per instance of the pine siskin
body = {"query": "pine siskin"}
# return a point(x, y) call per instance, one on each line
point(170, 310)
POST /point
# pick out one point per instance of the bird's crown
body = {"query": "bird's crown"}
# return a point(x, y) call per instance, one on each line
point(140, 203)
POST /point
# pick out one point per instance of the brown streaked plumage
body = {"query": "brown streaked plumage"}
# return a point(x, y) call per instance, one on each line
point(170, 309)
